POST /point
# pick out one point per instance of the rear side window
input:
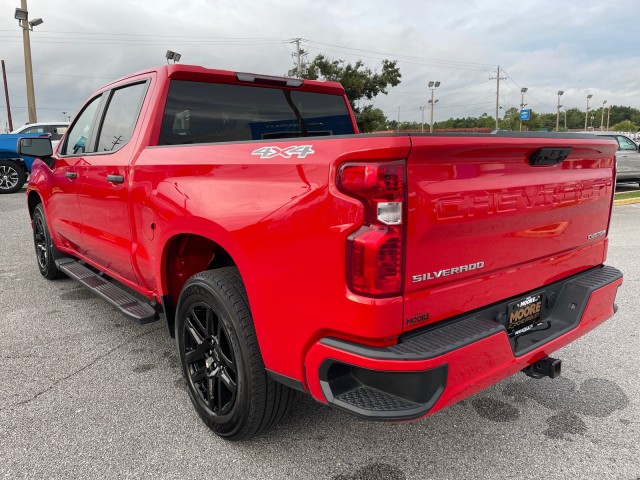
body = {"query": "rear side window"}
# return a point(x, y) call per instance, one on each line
point(34, 130)
point(626, 144)
point(121, 117)
point(198, 112)
point(57, 131)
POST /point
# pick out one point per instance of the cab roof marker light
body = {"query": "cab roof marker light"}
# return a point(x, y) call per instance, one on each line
point(245, 77)
point(268, 79)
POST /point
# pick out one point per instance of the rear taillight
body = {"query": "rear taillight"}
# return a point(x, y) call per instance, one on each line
point(375, 251)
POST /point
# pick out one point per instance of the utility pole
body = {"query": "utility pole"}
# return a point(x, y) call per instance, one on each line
point(298, 63)
point(26, 25)
point(422, 108)
point(608, 116)
point(497, 79)
point(298, 56)
point(6, 95)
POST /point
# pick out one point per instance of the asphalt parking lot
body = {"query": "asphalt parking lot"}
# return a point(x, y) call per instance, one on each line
point(86, 393)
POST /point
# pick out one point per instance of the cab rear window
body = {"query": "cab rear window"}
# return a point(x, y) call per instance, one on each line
point(198, 112)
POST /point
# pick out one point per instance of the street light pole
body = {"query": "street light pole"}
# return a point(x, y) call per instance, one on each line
point(602, 117)
point(586, 114)
point(432, 102)
point(523, 90)
point(560, 92)
point(608, 117)
point(22, 15)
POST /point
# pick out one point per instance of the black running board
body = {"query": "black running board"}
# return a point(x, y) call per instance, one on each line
point(130, 306)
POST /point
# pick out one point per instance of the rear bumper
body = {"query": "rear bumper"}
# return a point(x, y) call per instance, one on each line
point(440, 365)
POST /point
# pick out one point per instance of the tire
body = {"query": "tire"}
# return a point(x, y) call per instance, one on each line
point(220, 357)
point(12, 176)
point(44, 246)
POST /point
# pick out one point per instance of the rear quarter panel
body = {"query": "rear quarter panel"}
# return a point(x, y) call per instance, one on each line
point(282, 222)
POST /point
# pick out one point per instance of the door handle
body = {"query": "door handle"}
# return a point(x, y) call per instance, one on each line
point(71, 175)
point(115, 178)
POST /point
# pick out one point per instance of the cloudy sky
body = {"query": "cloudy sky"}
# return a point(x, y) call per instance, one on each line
point(581, 47)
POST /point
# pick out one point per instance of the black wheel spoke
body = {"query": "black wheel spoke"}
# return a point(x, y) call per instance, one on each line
point(211, 393)
point(196, 320)
point(198, 375)
point(194, 328)
point(210, 323)
point(227, 362)
point(228, 382)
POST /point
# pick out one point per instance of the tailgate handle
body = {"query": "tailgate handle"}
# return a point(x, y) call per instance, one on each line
point(549, 156)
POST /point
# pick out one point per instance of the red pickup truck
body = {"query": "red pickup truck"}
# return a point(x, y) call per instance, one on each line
point(387, 275)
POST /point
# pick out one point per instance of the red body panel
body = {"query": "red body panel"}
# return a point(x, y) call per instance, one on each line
point(285, 225)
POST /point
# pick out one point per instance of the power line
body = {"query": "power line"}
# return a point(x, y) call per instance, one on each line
point(62, 75)
point(383, 56)
point(152, 35)
point(470, 65)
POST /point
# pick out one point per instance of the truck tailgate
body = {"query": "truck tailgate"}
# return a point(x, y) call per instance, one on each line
point(484, 224)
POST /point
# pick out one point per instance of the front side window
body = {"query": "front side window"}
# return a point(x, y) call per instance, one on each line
point(121, 117)
point(198, 112)
point(76, 143)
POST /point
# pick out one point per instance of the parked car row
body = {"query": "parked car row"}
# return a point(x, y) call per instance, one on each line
point(14, 169)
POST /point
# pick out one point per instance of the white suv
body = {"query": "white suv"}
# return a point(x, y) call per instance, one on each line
point(56, 129)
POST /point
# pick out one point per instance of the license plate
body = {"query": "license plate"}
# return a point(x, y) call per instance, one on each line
point(524, 313)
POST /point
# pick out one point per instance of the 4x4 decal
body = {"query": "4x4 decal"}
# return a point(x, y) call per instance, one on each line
point(287, 152)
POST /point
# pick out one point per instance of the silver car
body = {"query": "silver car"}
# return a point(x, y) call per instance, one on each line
point(627, 157)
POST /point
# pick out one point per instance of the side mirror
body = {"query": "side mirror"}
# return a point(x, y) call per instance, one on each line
point(39, 147)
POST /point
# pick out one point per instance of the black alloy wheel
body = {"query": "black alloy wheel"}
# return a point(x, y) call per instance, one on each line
point(44, 246)
point(220, 357)
point(210, 360)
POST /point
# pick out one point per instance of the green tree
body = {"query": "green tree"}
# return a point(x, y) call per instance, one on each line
point(511, 120)
point(359, 81)
point(371, 119)
point(625, 126)
point(575, 119)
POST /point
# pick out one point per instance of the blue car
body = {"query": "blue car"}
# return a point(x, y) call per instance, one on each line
point(13, 168)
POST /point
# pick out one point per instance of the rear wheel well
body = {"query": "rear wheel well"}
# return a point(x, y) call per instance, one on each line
point(188, 254)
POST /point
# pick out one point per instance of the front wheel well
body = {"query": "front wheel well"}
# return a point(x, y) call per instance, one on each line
point(32, 202)
point(186, 255)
